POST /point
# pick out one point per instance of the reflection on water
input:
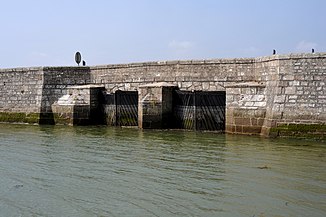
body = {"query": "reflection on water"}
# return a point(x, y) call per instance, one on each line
point(99, 171)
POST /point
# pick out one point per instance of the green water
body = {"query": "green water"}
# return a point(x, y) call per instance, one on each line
point(99, 171)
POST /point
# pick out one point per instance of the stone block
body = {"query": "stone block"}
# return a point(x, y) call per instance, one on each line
point(260, 104)
point(238, 129)
point(249, 104)
point(242, 121)
point(296, 83)
point(259, 113)
point(260, 121)
point(205, 86)
point(252, 130)
point(258, 98)
point(279, 99)
point(290, 90)
point(229, 128)
point(288, 77)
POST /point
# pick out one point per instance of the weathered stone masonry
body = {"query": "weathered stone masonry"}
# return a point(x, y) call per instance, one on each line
point(279, 95)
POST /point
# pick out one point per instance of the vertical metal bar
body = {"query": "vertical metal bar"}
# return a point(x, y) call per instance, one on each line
point(195, 111)
point(116, 107)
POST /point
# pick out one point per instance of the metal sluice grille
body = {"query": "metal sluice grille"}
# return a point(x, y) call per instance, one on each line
point(126, 108)
point(183, 109)
point(199, 110)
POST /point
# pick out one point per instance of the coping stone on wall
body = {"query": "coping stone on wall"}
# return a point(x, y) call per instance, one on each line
point(159, 84)
point(246, 84)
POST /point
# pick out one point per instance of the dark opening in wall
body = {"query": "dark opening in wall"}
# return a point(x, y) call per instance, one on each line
point(199, 110)
point(121, 108)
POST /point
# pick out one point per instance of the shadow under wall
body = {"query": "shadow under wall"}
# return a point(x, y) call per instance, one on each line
point(55, 83)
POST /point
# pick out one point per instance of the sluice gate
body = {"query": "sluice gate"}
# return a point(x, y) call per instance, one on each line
point(159, 106)
point(199, 110)
point(121, 108)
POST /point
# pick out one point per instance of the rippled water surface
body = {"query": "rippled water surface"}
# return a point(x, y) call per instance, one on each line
point(99, 171)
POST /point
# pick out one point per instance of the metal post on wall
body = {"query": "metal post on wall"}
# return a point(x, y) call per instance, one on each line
point(116, 107)
point(195, 110)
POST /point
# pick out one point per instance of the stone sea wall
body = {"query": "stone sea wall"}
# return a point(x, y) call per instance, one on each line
point(26, 94)
point(279, 95)
point(20, 94)
point(288, 100)
point(296, 97)
point(206, 75)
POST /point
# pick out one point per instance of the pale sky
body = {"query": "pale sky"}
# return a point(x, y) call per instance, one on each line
point(49, 32)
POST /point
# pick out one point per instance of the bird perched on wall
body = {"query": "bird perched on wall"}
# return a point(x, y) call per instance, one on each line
point(274, 51)
point(84, 63)
point(312, 50)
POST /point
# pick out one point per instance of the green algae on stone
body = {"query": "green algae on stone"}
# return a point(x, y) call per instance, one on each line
point(19, 117)
point(308, 131)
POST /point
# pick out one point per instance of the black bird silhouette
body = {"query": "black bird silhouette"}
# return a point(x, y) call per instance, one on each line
point(312, 50)
point(274, 52)
point(84, 63)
